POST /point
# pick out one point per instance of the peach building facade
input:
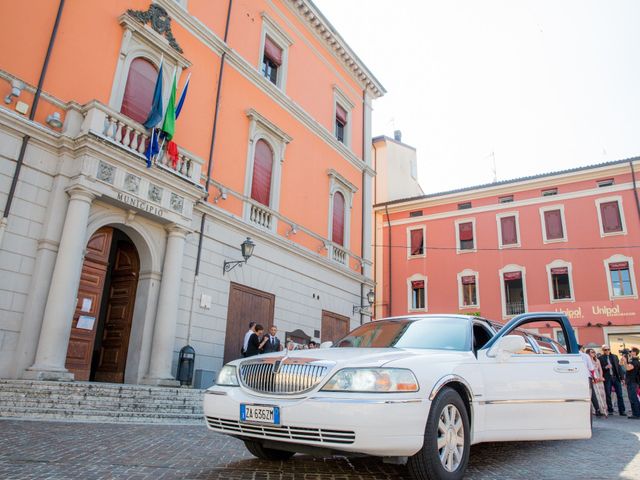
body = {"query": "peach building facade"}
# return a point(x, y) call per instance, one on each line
point(107, 267)
point(564, 241)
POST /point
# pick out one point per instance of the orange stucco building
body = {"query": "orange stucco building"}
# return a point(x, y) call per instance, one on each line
point(109, 267)
point(562, 241)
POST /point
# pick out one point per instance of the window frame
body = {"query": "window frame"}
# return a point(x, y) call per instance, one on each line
point(543, 224)
point(560, 264)
point(278, 36)
point(457, 224)
point(499, 218)
point(340, 98)
point(424, 241)
point(468, 273)
point(523, 272)
point(337, 183)
point(600, 201)
point(414, 278)
point(632, 277)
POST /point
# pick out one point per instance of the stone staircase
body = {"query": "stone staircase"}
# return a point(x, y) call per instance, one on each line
point(100, 402)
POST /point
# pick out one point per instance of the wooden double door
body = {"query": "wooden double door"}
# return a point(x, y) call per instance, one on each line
point(101, 324)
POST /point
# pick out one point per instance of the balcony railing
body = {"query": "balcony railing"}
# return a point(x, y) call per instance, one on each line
point(339, 254)
point(133, 137)
point(261, 216)
point(515, 308)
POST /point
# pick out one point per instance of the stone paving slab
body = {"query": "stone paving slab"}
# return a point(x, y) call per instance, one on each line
point(63, 450)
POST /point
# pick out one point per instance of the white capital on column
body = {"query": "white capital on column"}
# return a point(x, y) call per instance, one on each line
point(61, 301)
point(164, 331)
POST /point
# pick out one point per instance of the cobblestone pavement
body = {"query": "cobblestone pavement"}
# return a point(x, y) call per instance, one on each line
point(62, 450)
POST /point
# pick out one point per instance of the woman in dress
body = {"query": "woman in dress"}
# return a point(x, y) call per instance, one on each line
point(598, 383)
point(256, 342)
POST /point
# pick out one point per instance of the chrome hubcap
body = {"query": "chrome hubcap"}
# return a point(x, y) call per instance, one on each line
point(450, 438)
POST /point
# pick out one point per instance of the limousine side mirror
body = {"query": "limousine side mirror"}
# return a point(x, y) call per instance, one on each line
point(507, 345)
point(326, 345)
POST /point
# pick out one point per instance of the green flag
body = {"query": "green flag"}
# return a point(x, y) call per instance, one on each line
point(169, 124)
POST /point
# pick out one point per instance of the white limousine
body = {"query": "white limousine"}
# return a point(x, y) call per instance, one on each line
point(415, 389)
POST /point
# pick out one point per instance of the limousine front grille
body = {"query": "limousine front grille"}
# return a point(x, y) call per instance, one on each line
point(282, 432)
point(280, 377)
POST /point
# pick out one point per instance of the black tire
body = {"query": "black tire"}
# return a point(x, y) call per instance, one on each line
point(426, 464)
point(257, 450)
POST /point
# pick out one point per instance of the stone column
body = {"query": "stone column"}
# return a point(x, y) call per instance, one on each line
point(61, 301)
point(164, 332)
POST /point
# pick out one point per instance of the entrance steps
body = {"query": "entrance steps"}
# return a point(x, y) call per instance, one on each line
point(100, 402)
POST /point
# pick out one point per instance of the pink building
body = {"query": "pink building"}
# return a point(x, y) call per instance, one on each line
point(562, 241)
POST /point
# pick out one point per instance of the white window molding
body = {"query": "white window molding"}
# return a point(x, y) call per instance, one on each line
point(543, 224)
point(569, 267)
point(500, 216)
point(339, 98)
point(139, 41)
point(414, 278)
point(508, 269)
point(471, 220)
point(615, 259)
point(271, 29)
point(260, 128)
point(468, 273)
point(616, 198)
point(424, 242)
point(338, 183)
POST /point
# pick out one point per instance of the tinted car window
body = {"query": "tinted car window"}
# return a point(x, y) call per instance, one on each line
point(444, 333)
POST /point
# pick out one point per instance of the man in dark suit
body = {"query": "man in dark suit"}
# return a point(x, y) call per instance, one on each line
point(273, 343)
point(611, 372)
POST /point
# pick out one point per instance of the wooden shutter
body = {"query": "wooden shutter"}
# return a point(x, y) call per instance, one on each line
point(560, 271)
point(508, 229)
point(272, 51)
point(619, 266)
point(341, 114)
point(417, 242)
point(513, 276)
point(262, 167)
point(138, 92)
point(468, 280)
point(610, 213)
point(337, 232)
point(466, 231)
point(417, 284)
point(553, 224)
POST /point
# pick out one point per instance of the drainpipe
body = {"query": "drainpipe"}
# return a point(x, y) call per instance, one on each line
point(364, 186)
point(216, 111)
point(375, 217)
point(386, 208)
point(32, 114)
point(635, 186)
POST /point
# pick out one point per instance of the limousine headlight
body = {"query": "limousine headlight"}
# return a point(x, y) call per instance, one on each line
point(228, 377)
point(376, 380)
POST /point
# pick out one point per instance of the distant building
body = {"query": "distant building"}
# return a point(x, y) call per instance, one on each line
point(562, 241)
point(396, 166)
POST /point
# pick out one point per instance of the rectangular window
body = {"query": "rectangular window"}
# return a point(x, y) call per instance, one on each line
point(417, 294)
point(513, 293)
point(508, 230)
point(464, 206)
point(415, 213)
point(610, 216)
point(465, 233)
point(505, 199)
point(549, 191)
point(605, 183)
point(271, 60)
point(417, 242)
point(560, 283)
point(620, 279)
point(469, 292)
point(553, 225)
point(341, 122)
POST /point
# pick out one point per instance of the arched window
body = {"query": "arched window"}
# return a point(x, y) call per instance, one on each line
point(337, 232)
point(138, 92)
point(262, 169)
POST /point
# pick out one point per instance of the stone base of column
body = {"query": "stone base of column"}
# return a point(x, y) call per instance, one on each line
point(160, 382)
point(53, 375)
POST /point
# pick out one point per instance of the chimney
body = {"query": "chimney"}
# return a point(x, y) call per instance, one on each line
point(397, 135)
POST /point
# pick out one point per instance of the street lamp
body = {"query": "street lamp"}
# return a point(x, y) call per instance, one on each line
point(365, 310)
point(247, 250)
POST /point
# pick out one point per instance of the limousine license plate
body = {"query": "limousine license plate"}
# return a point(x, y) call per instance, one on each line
point(260, 414)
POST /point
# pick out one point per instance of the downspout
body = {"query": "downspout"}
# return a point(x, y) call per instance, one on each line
point(32, 114)
point(386, 208)
point(635, 186)
point(375, 217)
point(362, 224)
point(214, 129)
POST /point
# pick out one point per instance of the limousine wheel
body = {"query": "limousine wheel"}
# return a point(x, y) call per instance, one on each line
point(257, 450)
point(445, 452)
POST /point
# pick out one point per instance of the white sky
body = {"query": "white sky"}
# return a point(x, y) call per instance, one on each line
point(544, 84)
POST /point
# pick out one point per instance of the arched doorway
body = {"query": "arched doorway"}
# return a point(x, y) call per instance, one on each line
point(101, 327)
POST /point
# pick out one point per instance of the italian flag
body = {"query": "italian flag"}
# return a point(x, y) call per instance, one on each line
point(169, 124)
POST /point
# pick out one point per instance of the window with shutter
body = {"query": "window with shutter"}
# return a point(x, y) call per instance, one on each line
point(262, 169)
point(337, 231)
point(465, 233)
point(271, 60)
point(341, 123)
point(417, 242)
point(138, 91)
point(560, 283)
point(417, 295)
point(610, 215)
point(553, 224)
point(508, 230)
point(620, 279)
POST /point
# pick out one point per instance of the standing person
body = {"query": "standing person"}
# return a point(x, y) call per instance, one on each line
point(598, 381)
point(272, 343)
point(631, 364)
point(256, 342)
point(612, 378)
point(590, 370)
point(245, 341)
